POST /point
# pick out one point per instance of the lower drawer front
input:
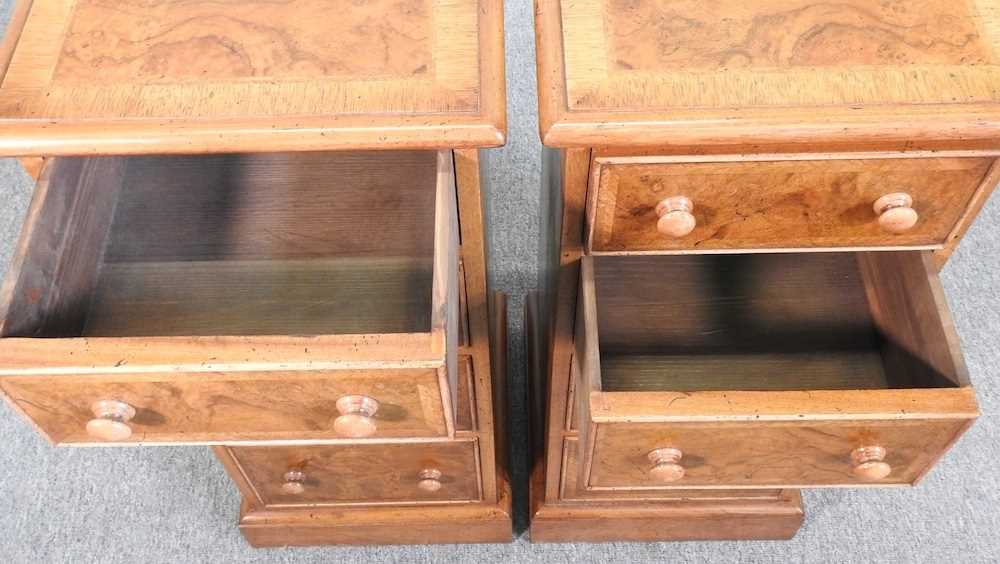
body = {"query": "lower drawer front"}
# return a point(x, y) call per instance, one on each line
point(786, 454)
point(200, 407)
point(362, 474)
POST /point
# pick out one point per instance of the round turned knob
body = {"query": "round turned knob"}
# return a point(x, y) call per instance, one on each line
point(110, 422)
point(895, 212)
point(356, 416)
point(676, 219)
point(869, 463)
point(294, 482)
point(666, 464)
point(430, 480)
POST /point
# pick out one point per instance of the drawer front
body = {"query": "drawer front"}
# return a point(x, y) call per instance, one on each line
point(178, 313)
point(362, 474)
point(788, 454)
point(777, 204)
point(825, 369)
point(224, 408)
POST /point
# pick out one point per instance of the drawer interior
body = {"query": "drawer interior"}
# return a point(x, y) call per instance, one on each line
point(767, 322)
point(248, 244)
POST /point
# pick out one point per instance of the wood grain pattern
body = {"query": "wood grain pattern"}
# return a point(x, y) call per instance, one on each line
point(778, 204)
point(627, 72)
point(886, 309)
point(224, 407)
point(791, 454)
point(88, 77)
point(225, 282)
point(573, 492)
point(480, 418)
point(181, 41)
point(276, 206)
point(484, 331)
point(771, 34)
point(362, 474)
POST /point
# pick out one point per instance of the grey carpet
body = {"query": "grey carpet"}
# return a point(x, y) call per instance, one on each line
point(177, 505)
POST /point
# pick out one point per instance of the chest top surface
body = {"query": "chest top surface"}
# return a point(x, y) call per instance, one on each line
point(122, 76)
point(622, 72)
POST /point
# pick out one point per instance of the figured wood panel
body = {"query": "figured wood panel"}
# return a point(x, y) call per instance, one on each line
point(628, 72)
point(571, 490)
point(184, 406)
point(362, 474)
point(778, 204)
point(790, 454)
point(182, 76)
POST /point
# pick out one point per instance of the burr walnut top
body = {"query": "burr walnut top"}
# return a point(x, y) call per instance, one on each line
point(156, 76)
point(628, 72)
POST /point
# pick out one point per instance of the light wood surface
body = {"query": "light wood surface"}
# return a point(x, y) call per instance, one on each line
point(778, 203)
point(783, 455)
point(696, 73)
point(32, 165)
point(174, 76)
point(176, 406)
point(362, 474)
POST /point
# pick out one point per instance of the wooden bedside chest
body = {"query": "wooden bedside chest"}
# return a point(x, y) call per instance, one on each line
point(259, 227)
point(748, 204)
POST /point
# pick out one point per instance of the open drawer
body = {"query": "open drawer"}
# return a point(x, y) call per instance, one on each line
point(765, 370)
point(236, 298)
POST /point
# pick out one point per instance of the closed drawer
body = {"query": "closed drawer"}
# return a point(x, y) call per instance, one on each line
point(645, 206)
point(765, 371)
point(236, 298)
point(361, 474)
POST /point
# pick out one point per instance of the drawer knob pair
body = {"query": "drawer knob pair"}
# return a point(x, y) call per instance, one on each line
point(869, 463)
point(666, 464)
point(110, 422)
point(356, 419)
point(294, 481)
point(895, 212)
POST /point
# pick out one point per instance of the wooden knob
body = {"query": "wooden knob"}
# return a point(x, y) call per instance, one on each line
point(430, 480)
point(294, 482)
point(869, 463)
point(895, 212)
point(676, 219)
point(356, 419)
point(666, 464)
point(110, 422)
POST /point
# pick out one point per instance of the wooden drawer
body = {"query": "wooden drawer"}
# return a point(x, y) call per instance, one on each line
point(777, 204)
point(765, 371)
point(234, 298)
point(361, 474)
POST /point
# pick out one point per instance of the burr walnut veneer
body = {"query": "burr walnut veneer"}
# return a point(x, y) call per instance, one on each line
point(260, 228)
point(747, 205)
